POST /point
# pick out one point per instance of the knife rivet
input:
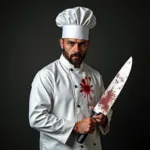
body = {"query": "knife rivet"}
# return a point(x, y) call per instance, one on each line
point(82, 146)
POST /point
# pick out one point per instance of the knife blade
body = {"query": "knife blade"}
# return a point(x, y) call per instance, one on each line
point(111, 93)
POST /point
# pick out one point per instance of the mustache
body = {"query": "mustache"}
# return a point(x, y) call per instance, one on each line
point(76, 54)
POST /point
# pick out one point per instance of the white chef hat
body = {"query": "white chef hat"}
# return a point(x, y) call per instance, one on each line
point(76, 22)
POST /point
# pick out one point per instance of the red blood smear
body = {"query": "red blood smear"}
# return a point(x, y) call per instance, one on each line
point(86, 88)
point(107, 99)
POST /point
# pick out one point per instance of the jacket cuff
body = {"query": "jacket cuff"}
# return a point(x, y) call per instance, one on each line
point(66, 131)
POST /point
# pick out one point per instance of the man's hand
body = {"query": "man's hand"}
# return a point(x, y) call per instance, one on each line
point(101, 120)
point(85, 126)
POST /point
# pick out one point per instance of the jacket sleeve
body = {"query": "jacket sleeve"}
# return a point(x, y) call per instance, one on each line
point(105, 130)
point(40, 106)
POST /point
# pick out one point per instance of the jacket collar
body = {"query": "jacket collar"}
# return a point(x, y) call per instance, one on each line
point(67, 64)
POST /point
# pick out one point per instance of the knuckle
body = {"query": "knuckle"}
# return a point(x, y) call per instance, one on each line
point(87, 130)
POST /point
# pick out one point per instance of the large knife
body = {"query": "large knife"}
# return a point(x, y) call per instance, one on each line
point(110, 95)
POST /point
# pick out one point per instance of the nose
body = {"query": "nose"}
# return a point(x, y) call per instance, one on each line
point(77, 48)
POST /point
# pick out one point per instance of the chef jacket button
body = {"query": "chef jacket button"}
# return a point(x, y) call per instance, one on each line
point(82, 146)
point(75, 86)
point(78, 106)
point(94, 144)
point(71, 69)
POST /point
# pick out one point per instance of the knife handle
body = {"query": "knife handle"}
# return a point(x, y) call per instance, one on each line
point(82, 137)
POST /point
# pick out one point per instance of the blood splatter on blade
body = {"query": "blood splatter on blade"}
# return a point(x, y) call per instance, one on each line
point(110, 95)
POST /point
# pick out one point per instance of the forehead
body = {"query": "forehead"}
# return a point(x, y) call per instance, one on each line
point(75, 40)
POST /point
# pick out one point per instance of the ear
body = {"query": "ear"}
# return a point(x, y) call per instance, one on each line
point(61, 42)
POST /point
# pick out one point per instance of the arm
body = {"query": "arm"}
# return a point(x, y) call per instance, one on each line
point(40, 105)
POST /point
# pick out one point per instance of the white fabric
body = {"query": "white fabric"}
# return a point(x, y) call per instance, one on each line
point(77, 16)
point(53, 105)
point(74, 31)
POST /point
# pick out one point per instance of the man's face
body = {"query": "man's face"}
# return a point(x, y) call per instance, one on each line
point(74, 50)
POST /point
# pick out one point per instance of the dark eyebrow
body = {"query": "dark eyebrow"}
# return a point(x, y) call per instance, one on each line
point(83, 42)
point(69, 41)
point(73, 42)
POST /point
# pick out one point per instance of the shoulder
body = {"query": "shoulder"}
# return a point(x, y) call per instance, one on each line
point(46, 73)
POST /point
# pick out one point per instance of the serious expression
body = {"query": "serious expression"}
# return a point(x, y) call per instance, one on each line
point(74, 50)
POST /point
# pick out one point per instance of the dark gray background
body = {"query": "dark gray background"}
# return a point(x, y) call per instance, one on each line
point(29, 41)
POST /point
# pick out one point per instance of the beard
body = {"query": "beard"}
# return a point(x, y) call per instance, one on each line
point(75, 58)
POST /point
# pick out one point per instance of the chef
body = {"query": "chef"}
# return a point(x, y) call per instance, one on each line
point(64, 92)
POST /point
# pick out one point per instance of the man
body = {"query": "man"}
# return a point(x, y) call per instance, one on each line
point(64, 92)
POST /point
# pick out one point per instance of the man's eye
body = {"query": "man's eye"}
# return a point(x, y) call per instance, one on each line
point(71, 43)
point(83, 44)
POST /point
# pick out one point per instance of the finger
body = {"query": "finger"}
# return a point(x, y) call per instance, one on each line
point(98, 116)
point(93, 120)
point(93, 125)
point(92, 129)
point(98, 120)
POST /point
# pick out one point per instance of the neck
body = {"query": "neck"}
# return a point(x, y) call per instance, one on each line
point(77, 66)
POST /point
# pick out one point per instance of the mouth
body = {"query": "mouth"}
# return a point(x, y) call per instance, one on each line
point(76, 57)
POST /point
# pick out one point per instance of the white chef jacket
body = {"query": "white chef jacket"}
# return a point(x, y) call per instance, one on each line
point(60, 96)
